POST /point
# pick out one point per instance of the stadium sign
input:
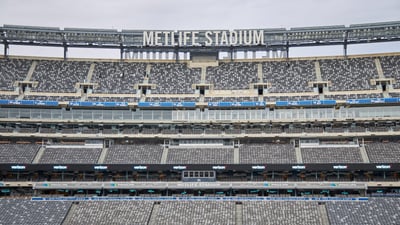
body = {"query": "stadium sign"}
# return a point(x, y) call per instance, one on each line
point(218, 167)
point(340, 167)
point(100, 167)
point(18, 167)
point(59, 167)
point(179, 167)
point(140, 167)
point(383, 166)
point(299, 167)
point(258, 167)
point(204, 38)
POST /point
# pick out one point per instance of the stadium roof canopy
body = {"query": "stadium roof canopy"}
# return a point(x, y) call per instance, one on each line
point(199, 40)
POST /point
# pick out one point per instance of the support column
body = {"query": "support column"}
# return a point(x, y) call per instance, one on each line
point(345, 35)
point(127, 55)
point(177, 55)
point(287, 49)
point(267, 54)
point(274, 54)
point(6, 48)
point(65, 51)
point(230, 55)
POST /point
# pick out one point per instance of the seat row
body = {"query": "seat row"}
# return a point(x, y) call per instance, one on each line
point(248, 154)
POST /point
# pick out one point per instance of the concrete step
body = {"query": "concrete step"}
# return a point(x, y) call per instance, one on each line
point(236, 156)
point(324, 220)
point(90, 73)
point(299, 157)
point(364, 154)
point(103, 155)
point(70, 214)
point(318, 71)
point(31, 70)
point(154, 214)
point(164, 156)
point(39, 154)
point(239, 214)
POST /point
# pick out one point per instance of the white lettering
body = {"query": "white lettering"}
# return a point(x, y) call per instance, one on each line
point(186, 37)
point(224, 38)
point(100, 167)
point(166, 38)
point(298, 167)
point(258, 167)
point(383, 166)
point(180, 38)
point(218, 167)
point(195, 37)
point(60, 167)
point(148, 39)
point(173, 38)
point(233, 38)
point(216, 36)
point(247, 37)
point(18, 167)
point(157, 38)
point(179, 167)
point(209, 39)
point(340, 167)
point(140, 167)
point(258, 37)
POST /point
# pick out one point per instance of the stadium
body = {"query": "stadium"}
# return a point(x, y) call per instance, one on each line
point(200, 127)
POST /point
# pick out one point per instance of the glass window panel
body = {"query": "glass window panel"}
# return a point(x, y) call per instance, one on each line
point(106, 114)
point(242, 115)
point(157, 115)
point(46, 114)
point(87, 115)
point(3, 113)
point(117, 115)
point(13, 113)
point(66, 114)
point(77, 114)
point(147, 115)
point(56, 114)
point(98, 115)
point(138, 115)
point(127, 115)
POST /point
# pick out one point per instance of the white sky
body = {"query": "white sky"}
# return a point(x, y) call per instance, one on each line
point(197, 15)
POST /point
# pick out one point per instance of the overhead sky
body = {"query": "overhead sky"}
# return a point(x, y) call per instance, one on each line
point(197, 15)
